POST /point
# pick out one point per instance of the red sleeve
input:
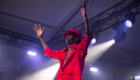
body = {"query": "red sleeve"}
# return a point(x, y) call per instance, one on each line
point(56, 54)
point(84, 45)
point(87, 40)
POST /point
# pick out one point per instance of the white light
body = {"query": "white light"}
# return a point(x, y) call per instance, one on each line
point(128, 23)
point(137, 77)
point(96, 51)
point(93, 69)
point(31, 53)
point(112, 41)
point(93, 41)
point(48, 73)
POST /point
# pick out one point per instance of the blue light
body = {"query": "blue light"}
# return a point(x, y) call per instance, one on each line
point(128, 23)
point(93, 69)
point(93, 41)
point(31, 53)
point(137, 77)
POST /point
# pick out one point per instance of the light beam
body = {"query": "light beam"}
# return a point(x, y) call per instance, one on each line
point(96, 51)
point(45, 74)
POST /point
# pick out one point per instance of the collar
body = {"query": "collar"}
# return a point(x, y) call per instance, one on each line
point(72, 47)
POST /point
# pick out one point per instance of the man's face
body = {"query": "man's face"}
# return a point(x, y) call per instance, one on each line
point(70, 39)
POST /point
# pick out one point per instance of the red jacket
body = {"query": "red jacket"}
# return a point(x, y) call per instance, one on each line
point(74, 66)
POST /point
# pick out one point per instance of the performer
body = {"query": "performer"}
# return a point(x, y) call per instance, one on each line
point(72, 58)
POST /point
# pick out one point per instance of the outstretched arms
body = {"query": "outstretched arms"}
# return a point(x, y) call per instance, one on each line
point(83, 10)
point(56, 54)
point(39, 32)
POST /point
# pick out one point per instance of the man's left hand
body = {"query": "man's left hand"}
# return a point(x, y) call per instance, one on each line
point(83, 10)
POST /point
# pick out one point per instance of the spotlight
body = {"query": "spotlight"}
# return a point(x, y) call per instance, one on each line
point(128, 23)
point(120, 33)
point(31, 53)
point(137, 77)
point(130, 16)
point(93, 41)
point(119, 37)
point(93, 69)
point(112, 41)
point(95, 31)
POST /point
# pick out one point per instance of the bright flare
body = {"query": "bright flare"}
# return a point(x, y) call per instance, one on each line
point(93, 69)
point(112, 41)
point(128, 23)
point(31, 53)
point(93, 41)
point(137, 77)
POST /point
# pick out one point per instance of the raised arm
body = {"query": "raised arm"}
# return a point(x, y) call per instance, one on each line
point(83, 10)
point(56, 54)
point(39, 32)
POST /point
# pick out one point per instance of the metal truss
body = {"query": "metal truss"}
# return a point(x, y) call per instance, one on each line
point(26, 19)
point(106, 19)
point(113, 15)
point(18, 40)
point(100, 23)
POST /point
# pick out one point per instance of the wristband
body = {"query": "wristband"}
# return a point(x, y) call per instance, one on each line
point(85, 18)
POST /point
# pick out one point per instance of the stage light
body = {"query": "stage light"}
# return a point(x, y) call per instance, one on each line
point(31, 53)
point(120, 34)
point(93, 41)
point(119, 37)
point(95, 32)
point(130, 16)
point(93, 69)
point(130, 20)
point(137, 77)
point(112, 41)
point(128, 23)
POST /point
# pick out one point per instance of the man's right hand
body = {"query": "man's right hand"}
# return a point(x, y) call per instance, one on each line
point(38, 30)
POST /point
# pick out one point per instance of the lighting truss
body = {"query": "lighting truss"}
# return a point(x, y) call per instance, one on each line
point(107, 18)
point(18, 40)
point(100, 22)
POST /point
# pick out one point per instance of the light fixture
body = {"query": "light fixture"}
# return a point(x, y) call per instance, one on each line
point(93, 69)
point(120, 34)
point(93, 41)
point(130, 16)
point(95, 31)
point(119, 37)
point(112, 41)
point(137, 77)
point(31, 53)
point(128, 23)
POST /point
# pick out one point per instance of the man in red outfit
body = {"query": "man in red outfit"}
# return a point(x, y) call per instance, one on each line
point(72, 58)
